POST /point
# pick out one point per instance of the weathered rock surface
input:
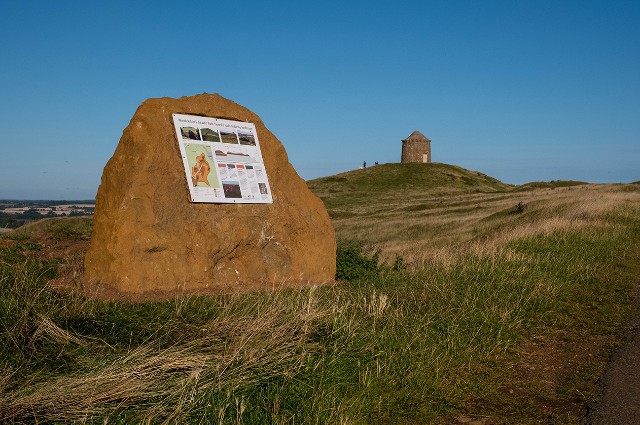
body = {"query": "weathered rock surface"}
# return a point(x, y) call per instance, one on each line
point(7, 243)
point(149, 236)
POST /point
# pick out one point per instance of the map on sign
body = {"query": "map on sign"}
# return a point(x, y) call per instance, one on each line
point(222, 160)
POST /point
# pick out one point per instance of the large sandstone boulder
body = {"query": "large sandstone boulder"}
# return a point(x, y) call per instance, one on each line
point(149, 236)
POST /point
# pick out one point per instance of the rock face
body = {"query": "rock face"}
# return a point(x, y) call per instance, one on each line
point(149, 236)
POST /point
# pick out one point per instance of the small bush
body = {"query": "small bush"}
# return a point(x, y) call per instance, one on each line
point(398, 264)
point(353, 263)
point(519, 208)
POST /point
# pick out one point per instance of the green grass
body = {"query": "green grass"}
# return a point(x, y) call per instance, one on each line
point(413, 345)
point(74, 228)
point(551, 184)
point(398, 180)
point(397, 347)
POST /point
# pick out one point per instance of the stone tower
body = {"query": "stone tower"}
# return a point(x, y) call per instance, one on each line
point(416, 148)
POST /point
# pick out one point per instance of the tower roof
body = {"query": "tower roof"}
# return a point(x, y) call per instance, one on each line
point(416, 135)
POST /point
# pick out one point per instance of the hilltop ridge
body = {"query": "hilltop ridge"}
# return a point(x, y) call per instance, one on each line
point(411, 178)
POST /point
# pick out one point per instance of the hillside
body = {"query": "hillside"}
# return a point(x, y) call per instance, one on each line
point(392, 180)
point(409, 209)
point(502, 306)
point(427, 211)
point(553, 184)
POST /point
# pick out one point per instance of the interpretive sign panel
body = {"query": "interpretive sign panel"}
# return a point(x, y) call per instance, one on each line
point(222, 160)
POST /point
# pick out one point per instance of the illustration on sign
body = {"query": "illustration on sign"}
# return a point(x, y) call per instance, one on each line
point(222, 160)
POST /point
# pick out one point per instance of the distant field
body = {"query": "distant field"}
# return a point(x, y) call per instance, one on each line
point(490, 302)
point(14, 214)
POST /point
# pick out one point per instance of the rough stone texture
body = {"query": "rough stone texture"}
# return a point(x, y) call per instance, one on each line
point(7, 243)
point(416, 148)
point(148, 236)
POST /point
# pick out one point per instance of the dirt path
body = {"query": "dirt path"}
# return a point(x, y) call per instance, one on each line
point(619, 401)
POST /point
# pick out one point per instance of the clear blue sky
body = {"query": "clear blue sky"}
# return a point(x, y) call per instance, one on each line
point(519, 90)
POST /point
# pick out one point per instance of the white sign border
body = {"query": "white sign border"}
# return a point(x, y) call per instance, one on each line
point(244, 162)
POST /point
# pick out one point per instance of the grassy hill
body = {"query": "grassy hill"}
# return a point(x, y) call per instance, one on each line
point(397, 180)
point(503, 308)
point(550, 185)
point(423, 211)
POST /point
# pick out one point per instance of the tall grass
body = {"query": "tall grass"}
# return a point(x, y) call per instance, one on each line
point(479, 223)
point(403, 346)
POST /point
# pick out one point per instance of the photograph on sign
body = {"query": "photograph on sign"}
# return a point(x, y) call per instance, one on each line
point(222, 160)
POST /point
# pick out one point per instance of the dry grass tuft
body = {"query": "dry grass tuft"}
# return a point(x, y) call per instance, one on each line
point(232, 352)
